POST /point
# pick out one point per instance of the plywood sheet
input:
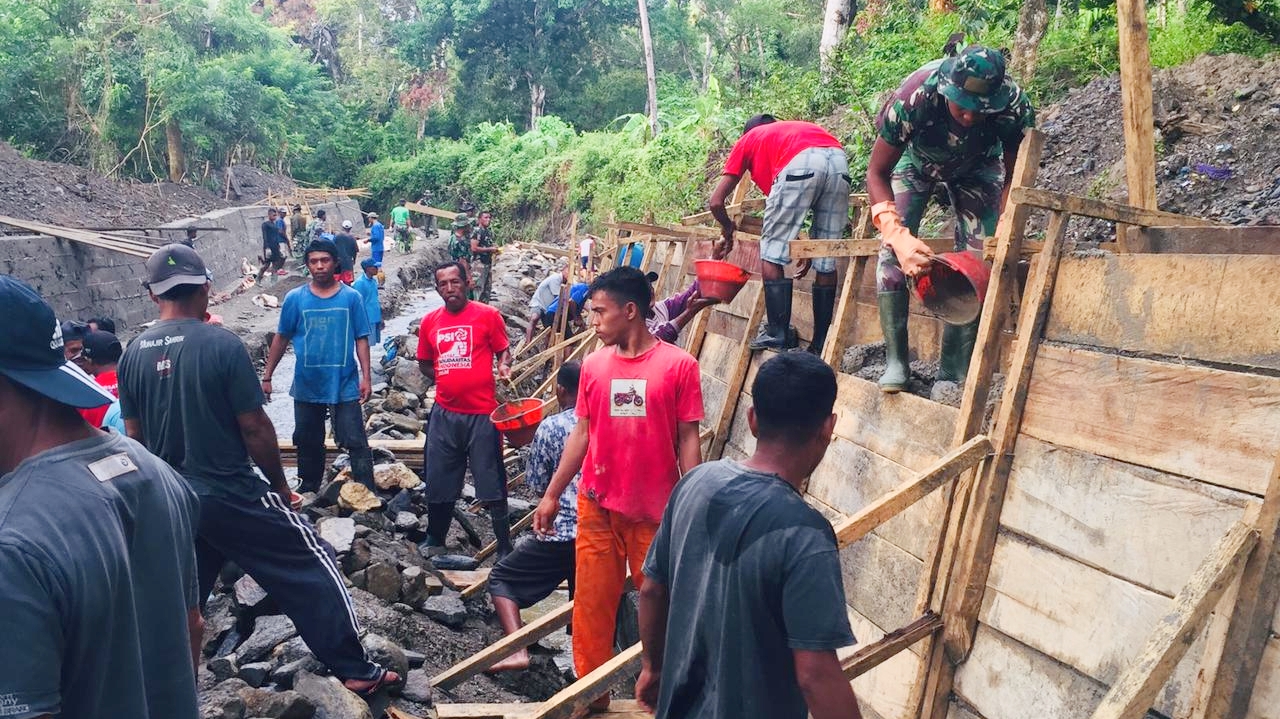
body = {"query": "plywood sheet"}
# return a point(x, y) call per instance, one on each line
point(904, 428)
point(1217, 426)
point(1005, 679)
point(1092, 621)
point(717, 355)
point(851, 477)
point(1203, 307)
point(714, 394)
point(1144, 526)
point(1266, 688)
point(880, 580)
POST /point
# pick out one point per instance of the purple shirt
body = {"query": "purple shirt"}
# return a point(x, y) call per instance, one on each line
point(662, 324)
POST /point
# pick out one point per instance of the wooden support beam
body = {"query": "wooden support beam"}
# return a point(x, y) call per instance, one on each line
point(505, 647)
point(1100, 209)
point(846, 316)
point(428, 210)
point(805, 249)
point(551, 249)
point(930, 696)
point(978, 537)
point(1135, 690)
point(873, 655)
point(574, 698)
point(856, 199)
point(734, 380)
point(524, 346)
point(892, 504)
point(549, 352)
point(1135, 103)
point(1239, 636)
point(666, 232)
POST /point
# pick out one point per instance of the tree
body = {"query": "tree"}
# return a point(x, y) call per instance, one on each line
point(835, 23)
point(650, 74)
point(1033, 22)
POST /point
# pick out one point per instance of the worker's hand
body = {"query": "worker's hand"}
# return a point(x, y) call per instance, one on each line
point(647, 689)
point(699, 303)
point(724, 245)
point(504, 371)
point(802, 267)
point(544, 517)
point(366, 390)
point(266, 387)
point(913, 254)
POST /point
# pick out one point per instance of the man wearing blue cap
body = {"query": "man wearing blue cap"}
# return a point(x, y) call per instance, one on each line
point(955, 122)
point(99, 608)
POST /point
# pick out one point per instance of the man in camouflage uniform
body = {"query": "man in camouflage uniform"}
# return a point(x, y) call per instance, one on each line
point(956, 121)
point(483, 250)
point(460, 247)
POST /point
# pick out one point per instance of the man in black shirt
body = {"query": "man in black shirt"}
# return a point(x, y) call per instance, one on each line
point(188, 391)
point(743, 606)
point(272, 258)
point(348, 250)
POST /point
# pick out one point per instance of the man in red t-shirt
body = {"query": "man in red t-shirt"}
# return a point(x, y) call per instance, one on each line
point(798, 166)
point(457, 345)
point(639, 404)
point(98, 359)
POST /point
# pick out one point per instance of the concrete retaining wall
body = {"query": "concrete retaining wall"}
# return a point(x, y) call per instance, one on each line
point(80, 281)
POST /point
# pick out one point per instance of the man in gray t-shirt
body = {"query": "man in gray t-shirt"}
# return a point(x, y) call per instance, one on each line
point(98, 599)
point(744, 578)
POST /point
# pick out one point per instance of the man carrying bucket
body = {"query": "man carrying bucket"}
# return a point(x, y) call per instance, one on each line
point(639, 404)
point(799, 166)
point(956, 121)
point(457, 345)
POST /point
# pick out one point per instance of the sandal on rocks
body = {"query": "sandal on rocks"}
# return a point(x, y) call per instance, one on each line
point(386, 679)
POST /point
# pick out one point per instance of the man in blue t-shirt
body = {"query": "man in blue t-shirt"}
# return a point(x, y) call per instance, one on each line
point(577, 298)
point(326, 321)
point(377, 238)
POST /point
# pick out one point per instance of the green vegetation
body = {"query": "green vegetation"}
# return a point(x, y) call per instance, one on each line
point(528, 107)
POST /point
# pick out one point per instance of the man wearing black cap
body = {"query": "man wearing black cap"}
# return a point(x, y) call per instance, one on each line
point(98, 359)
point(99, 607)
point(327, 323)
point(189, 391)
point(956, 121)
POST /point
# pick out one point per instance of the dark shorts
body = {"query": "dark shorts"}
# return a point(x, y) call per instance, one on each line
point(456, 442)
point(585, 260)
point(532, 571)
point(271, 254)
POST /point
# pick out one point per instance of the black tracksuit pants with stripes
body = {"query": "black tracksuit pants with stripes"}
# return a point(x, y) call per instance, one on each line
point(285, 555)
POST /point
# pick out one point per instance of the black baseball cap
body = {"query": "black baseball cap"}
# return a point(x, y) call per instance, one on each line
point(31, 354)
point(102, 347)
point(174, 265)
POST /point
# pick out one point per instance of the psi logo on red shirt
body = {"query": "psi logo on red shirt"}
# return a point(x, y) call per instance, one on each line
point(454, 346)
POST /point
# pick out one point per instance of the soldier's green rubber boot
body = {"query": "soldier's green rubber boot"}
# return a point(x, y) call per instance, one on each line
point(893, 322)
point(957, 349)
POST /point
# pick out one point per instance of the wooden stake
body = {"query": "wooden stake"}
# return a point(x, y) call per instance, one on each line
point(844, 324)
point(873, 655)
point(505, 647)
point(734, 381)
point(1136, 689)
point(575, 697)
point(1135, 96)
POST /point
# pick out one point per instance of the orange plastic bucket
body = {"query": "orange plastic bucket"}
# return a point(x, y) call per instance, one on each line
point(518, 420)
point(720, 280)
point(954, 287)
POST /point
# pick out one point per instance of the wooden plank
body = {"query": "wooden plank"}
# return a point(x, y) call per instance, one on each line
point(1140, 525)
point(885, 691)
point(525, 636)
point(1084, 618)
point(428, 210)
point(460, 579)
point(1135, 103)
point(802, 249)
point(879, 580)
point(946, 468)
point(618, 709)
point(574, 698)
point(978, 536)
point(1217, 426)
point(1136, 689)
point(1265, 702)
point(1005, 679)
point(1226, 240)
point(904, 428)
point(1195, 306)
point(667, 232)
point(1239, 640)
point(733, 382)
point(844, 322)
point(873, 655)
point(1100, 209)
point(932, 694)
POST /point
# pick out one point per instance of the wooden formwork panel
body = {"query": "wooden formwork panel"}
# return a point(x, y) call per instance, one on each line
point(1139, 524)
point(885, 690)
point(1005, 679)
point(1265, 703)
point(1213, 308)
point(903, 428)
point(1213, 425)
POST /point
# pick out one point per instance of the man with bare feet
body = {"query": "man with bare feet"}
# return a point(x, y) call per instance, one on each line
point(537, 566)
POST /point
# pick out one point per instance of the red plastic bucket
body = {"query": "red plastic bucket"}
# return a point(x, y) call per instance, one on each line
point(720, 280)
point(954, 287)
point(518, 420)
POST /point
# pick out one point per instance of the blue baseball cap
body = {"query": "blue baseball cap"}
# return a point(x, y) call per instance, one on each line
point(32, 352)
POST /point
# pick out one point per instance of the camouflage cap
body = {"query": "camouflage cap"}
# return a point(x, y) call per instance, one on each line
point(461, 220)
point(975, 80)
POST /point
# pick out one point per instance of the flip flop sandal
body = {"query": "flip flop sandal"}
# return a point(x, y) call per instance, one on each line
point(380, 682)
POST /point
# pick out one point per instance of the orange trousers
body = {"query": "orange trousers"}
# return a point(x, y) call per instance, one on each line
point(607, 543)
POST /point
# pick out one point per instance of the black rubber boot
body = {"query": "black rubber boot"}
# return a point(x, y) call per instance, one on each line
point(824, 307)
point(893, 322)
point(501, 528)
point(957, 349)
point(777, 334)
point(439, 517)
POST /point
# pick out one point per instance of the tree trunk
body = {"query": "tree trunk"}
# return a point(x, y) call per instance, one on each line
point(177, 158)
point(1033, 22)
point(835, 23)
point(649, 71)
point(537, 101)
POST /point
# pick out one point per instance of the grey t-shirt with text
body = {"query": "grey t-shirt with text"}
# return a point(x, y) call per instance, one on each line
point(753, 573)
point(186, 382)
point(97, 575)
